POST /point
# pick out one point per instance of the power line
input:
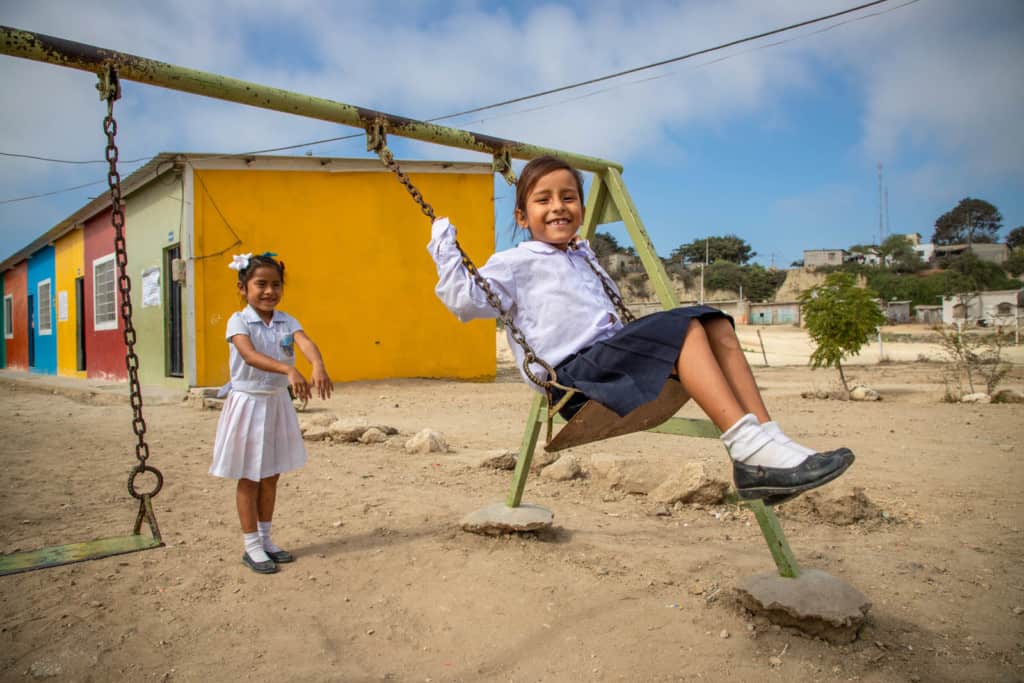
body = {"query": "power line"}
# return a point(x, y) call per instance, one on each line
point(515, 100)
point(49, 194)
point(663, 62)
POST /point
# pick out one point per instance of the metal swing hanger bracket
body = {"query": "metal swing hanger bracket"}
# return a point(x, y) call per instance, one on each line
point(70, 54)
point(109, 85)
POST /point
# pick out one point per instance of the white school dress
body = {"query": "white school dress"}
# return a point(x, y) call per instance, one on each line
point(258, 433)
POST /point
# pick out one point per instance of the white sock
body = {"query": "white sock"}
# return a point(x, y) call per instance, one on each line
point(778, 436)
point(263, 529)
point(749, 443)
point(254, 548)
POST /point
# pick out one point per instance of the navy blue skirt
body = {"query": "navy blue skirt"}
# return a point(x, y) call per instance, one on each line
point(630, 368)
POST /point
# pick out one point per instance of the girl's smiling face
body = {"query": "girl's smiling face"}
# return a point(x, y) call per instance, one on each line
point(554, 209)
point(263, 290)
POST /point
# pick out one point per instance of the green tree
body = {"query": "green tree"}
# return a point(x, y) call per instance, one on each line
point(604, 244)
point(974, 275)
point(972, 220)
point(711, 249)
point(898, 254)
point(1015, 264)
point(840, 318)
point(1015, 238)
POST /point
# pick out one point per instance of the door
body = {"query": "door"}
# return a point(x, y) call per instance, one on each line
point(31, 330)
point(172, 316)
point(80, 324)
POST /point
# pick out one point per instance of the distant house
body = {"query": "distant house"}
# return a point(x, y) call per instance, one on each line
point(825, 257)
point(896, 312)
point(775, 313)
point(928, 315)
point(993, 253)
point(985, 308)
point(620, 262)
point(868, 257)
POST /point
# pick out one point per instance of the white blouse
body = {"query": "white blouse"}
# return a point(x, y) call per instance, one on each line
point(554, 297)
point(275, 340)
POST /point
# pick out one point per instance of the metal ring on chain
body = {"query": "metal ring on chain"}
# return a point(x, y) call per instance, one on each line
point(139, 469)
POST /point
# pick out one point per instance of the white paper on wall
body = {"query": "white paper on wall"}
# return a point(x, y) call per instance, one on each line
point(151, 287)
point(62, 305)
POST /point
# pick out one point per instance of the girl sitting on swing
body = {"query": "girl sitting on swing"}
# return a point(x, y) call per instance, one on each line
point(558, 300)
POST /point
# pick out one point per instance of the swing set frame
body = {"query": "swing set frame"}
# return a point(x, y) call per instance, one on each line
point(609, 201)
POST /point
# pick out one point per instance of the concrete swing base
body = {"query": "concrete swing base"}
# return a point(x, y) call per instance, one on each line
point(814, 602)
point(499, 518)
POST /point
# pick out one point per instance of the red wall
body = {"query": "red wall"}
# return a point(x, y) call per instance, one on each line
point(16, 284)
point(104, 349)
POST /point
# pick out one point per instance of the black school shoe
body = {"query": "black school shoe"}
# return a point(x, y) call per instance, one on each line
point(280, 556)
point(268, 567)
point(775, 485)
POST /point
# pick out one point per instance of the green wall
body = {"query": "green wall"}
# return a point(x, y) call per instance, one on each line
point(154, 221)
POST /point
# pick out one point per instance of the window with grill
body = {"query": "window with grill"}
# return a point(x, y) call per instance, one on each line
point(9, 316)
point(104, 293)
point(44, 306)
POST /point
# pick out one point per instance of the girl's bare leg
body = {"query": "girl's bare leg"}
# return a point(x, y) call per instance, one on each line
point(267, 498)
point(246, 497)
point(704, 381)
point(727, 351)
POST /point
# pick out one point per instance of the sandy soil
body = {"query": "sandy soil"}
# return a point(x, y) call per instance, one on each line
point(386, 587)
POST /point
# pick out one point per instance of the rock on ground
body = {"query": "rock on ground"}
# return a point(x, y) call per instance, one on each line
point(426, 441)
point(690, 484)
point(563, 469)
point(863, 393)
point(626, 473)
point(501, 460)
point(373, 435)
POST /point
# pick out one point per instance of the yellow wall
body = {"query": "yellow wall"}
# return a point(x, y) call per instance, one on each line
point(357, 272)
point(68, 265)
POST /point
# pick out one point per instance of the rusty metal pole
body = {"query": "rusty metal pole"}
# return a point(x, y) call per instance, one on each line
point(73, 55)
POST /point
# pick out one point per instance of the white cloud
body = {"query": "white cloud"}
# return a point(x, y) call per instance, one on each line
point(939, 75)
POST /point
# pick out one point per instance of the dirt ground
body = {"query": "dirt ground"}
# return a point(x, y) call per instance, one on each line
point(386, 586)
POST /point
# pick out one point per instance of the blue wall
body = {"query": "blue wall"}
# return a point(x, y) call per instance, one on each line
point(40, 267)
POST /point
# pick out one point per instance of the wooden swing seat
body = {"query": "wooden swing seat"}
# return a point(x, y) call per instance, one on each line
point(595, 421)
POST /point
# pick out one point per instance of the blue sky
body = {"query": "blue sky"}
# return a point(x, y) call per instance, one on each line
point(775, 143)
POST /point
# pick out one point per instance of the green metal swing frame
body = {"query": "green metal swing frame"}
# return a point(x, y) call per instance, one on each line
point(609, 201)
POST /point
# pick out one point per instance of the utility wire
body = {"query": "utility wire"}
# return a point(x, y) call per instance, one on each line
point(663, 62)
point(515, 100)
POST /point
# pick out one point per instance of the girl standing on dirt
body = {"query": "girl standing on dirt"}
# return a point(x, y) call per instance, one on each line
point(258, 434)
point(558, 301)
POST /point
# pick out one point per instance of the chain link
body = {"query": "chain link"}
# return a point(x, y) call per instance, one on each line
point(124, 284)
point(378, 144)
point(624, 313)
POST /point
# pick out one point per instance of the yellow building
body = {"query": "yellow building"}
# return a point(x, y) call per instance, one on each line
point(70, 288)
point(357, 272)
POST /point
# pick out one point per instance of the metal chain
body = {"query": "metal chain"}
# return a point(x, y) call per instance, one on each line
point(376, 142)
point(110, 89)
point(624, 313)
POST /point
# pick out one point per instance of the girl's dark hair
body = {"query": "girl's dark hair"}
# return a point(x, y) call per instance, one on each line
point(537, 169)
point(256, 261)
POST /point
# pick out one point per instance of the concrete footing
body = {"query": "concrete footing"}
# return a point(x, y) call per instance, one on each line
point(815, 602)
point(499, 518)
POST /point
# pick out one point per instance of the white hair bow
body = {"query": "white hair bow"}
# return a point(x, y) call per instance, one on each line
point(239, 262)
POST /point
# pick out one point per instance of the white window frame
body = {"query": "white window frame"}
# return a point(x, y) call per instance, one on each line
point(9, 316)
point(97, 324)
point(47, 320)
